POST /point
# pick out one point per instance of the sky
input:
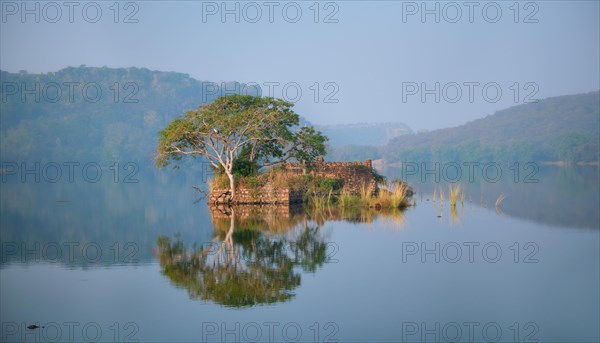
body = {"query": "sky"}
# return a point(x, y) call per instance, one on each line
point(429, 65)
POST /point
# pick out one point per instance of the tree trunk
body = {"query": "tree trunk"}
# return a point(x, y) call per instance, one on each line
point(228, 240)
point(231, 185)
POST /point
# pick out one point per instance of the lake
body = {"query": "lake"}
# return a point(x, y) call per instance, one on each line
point(148, 261)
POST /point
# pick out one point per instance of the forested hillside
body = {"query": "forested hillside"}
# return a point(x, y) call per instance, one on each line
point(94, 114)
point(564, 128)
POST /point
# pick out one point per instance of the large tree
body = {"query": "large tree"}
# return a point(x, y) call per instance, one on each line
point(263, 127)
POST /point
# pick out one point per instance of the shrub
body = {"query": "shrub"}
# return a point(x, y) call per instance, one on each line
point(243, 167)
point(251, 181)
point(331, 184)
point(347, 200)
point(379, 179)
point(393, 197)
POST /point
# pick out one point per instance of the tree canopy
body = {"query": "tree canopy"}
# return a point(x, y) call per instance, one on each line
point(263, 128)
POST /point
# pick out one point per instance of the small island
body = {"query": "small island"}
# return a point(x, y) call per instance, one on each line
point(261, 155)
point(293, 183)
point(347, 184)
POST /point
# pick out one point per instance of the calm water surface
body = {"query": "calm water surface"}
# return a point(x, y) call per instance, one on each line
point(142, 261)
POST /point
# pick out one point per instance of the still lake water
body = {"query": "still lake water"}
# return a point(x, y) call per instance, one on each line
point(144, 262)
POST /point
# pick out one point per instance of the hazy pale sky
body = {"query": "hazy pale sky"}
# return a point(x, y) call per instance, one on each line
point(353, 61)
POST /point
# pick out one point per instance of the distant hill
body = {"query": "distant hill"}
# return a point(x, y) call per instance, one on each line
point(358, 142)
point(114, 114)
point(563, 128)
point(363, 133)
point(94, 114)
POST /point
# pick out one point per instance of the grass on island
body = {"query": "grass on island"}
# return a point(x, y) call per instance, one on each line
point(390, 196)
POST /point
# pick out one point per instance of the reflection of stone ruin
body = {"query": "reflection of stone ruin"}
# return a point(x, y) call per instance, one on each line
point(357, 176)
point(283, 217)
point(269, 218)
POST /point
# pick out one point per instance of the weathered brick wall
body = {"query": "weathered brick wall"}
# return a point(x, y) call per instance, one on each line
point(356, 175)
point(263, 195)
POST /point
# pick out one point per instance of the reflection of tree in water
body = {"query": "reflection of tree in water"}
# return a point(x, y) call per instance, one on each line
point(244, 265)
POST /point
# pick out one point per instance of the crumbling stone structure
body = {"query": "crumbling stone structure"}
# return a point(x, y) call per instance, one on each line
point(357, 176)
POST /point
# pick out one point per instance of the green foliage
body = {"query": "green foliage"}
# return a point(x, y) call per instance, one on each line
point(237, 133)
point(243, 167)
point(319, 186)
point(331, 184)
point(268, 276)
point(309, 251)
point(379, 179)
point(299, 182)
point(571, 146)
point(308, 145)
point(347, 200)
point(220, 130)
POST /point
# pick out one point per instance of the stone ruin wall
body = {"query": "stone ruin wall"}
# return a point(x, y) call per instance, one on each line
point(356, 176)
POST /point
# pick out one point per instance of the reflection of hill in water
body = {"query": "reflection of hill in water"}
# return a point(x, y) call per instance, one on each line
point(567, 198)
point(564, 196)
